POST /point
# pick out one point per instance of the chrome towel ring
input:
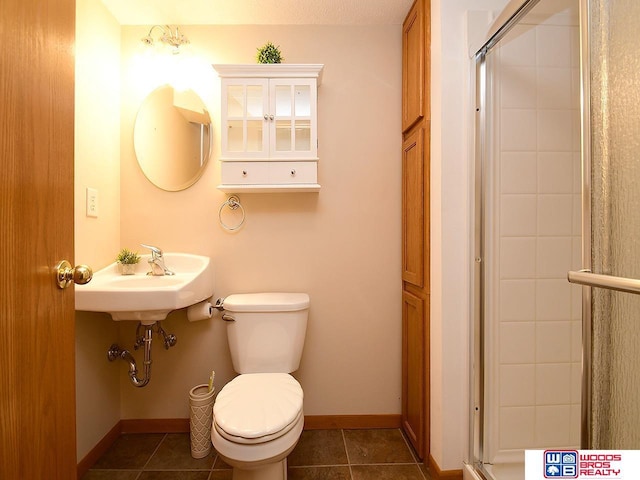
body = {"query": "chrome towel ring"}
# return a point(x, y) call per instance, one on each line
point(233, 202)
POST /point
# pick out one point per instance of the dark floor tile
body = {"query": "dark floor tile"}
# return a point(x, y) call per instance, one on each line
point(174, 453)
point(319, 447)
point(411, 449)
point(377, 446)
point(319, 473)
point(425, 471)
point(221, 464)
point(111, 475)
point(130, 451)
point(386, 472)
point(221, 475)
point(173, 475)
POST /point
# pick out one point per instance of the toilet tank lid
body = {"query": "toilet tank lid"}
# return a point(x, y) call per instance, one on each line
point(266, 302)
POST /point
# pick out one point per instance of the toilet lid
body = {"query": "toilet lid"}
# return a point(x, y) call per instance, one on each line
point(266, 302)
point(257, 405)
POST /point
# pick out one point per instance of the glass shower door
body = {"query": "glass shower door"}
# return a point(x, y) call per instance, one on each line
point(611, 419)
point(527, 339)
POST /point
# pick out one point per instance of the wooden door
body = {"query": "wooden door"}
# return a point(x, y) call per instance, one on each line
point(37, 347)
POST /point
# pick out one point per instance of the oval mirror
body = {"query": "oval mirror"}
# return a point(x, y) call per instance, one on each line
point(172, 138)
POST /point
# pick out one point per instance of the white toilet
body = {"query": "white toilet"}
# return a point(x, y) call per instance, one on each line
point(257, 417)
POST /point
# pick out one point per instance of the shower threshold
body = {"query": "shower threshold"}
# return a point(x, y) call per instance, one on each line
point(499, 471)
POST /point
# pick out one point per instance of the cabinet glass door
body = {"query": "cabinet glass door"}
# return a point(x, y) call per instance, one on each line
point(294, 105)
point(246, 105)
point(255, 118)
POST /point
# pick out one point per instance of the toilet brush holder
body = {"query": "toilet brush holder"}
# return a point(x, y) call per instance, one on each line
point(201, 419)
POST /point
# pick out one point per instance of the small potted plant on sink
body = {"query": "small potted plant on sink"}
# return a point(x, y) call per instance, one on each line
point(127, 261)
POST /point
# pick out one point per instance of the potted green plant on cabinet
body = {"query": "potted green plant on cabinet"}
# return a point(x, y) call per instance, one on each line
point(269, 53)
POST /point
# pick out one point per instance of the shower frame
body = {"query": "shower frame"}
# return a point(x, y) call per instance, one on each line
point(519, 9)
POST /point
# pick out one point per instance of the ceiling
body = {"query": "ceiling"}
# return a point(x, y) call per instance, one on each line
point(259, 12)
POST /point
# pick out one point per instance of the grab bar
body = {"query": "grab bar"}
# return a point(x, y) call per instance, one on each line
point(586, 277)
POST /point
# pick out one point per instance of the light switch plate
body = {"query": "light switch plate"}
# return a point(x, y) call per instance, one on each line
point(92, 202)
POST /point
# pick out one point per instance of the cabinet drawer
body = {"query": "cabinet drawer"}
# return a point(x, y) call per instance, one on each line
point(245, 173)
point(293, 172)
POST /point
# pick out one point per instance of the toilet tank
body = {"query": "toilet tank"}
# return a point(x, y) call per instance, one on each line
point(267, 332)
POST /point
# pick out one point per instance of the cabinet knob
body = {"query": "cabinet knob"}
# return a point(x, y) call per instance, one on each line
point(244, 173)
point(293, 172)
point(270, 117)
point(266, 117)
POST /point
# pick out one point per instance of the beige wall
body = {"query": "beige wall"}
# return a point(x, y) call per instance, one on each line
point(97, 165)
point(342, 246)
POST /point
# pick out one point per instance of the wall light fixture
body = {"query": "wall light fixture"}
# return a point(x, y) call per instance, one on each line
point(169, 35)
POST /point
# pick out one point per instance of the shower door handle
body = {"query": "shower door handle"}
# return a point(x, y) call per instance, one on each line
point(622, 284)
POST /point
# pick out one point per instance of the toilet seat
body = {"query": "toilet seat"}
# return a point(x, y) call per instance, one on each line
point(258, 407)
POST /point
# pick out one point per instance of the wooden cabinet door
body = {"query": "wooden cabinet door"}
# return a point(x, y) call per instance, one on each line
point(413, 209)
point(416, 126)
point(414, 370)
point(413, 66)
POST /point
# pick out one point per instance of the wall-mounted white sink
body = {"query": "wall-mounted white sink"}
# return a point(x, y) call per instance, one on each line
point(148, 298)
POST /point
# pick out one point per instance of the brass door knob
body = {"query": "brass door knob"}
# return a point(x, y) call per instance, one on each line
point(66, 274)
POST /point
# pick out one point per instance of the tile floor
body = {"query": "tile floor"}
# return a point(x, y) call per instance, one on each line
point(381, 454)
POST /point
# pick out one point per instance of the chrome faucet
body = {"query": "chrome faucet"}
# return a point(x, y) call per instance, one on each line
point(156, 262)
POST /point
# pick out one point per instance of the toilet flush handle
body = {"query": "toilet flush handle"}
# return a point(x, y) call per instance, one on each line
point(220, 306)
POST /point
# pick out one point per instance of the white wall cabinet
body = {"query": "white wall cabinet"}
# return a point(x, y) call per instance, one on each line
point(269, 127)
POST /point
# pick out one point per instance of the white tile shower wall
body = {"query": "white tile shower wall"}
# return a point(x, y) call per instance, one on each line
point(538, 237)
